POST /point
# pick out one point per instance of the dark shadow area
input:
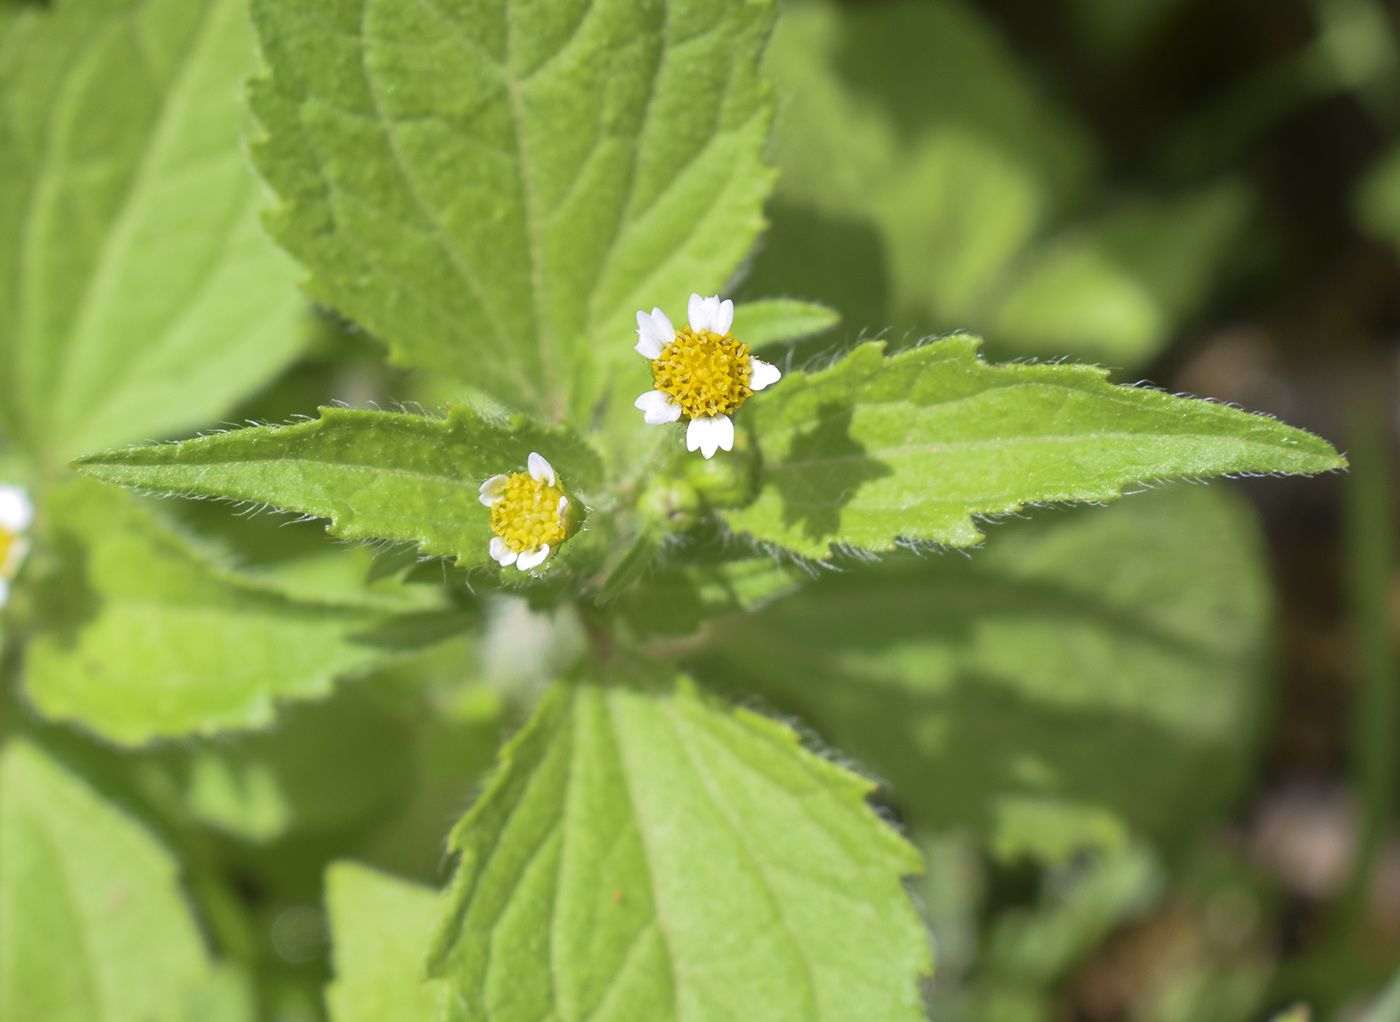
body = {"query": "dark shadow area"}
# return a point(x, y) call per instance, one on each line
point(823, 470)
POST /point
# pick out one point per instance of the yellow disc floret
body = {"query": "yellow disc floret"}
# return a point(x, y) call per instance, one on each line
point(527, 513)
point(10, 547)
point(705, 373)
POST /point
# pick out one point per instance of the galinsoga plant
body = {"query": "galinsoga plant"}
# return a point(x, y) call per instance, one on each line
point(518, 199)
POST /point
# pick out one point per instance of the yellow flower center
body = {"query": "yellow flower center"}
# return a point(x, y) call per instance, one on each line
point(527, 514)
point(704, 373)
point(10, 550)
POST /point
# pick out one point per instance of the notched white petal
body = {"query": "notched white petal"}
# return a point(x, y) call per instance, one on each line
point(724, 319)
point(708, 434)
point(540, 470)
point(657, 408)
point(695, 312)
point(654, 332)
point(533, 558)
point(502, 554)
point(762, 374)
point(492, 489)
point(16, 512)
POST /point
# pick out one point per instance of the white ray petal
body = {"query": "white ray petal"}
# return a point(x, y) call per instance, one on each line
point(762, 374)
point(541, 471)
point(4, 592)
point(657, 408)
point(654, 332)
point(724, 318)
point(533, 558)
point(709, 433)
point(492, 489)
point(16, 512)
point(503, 555)
point(563, 506)
point(695, 312)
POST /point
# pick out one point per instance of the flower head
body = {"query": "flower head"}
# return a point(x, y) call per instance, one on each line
point(16, 514)
point(700, 372)
point(529, 514)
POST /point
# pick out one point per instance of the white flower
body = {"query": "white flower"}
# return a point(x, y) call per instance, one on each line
point(16, 515)
point(700, 371)
point(529, 514)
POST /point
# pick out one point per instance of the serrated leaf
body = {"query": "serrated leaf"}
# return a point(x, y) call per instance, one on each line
point(494, 190)
point(92, 921)
point(781, 319)
point(375, 475)
point(875, 450)
point(380, 930)
point(648, 854)
point(149, 636)
point(140, 295)
point(1088, 674)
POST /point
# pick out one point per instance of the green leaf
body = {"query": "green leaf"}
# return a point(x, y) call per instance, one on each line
point(876, 450)
point(1088, 674)
point(375, 475)
point(781, 319)
point(149, 636)
point(92, 921)
point(649, 855)
point(380, 930)
point(141, 298)
point(1378, 198)
point(1115, 289)
point(326, 765)
point(494, 190)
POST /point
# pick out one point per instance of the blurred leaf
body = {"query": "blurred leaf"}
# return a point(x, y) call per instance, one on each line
point(1115, 289)
point(1113, 28)
point(325, 765)
point(1378, 199)
point(1084, 668)
point(149, 636)
point(495, 191)
point(781, 319)
point(141, 298)
point(375, 475)
point(874, 450)
point(380, 930)
point(1030, 952)
point(94, 924)
point(225, 996)
point(1079, 907)
point(918, 120)
point(651, 854)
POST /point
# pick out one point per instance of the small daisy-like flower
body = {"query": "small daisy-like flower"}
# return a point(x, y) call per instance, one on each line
point(701, 372)
point(530, 514)
point(16, 514)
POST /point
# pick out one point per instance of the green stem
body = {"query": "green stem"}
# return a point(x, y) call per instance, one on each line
point(1375, 722)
